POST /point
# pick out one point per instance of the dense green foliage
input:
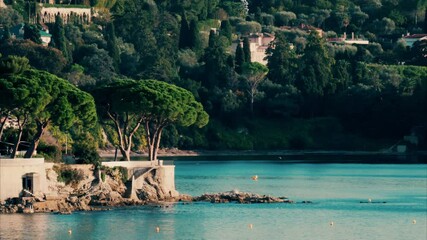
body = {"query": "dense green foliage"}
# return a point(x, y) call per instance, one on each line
point(352, 93)
point(68, 175)
point(40, 98)
point(151, 104)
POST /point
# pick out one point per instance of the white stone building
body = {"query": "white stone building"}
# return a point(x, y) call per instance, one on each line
point(411, 39)
point(20, 173)
point(258, 44)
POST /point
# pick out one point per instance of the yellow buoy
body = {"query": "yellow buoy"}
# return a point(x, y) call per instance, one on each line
point(251, 226)
point(255, 178)
point(331, 224)
point(414, 221)
point(157, 229)
point(69, 231)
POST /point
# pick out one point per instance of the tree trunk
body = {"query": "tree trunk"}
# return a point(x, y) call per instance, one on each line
point(3, 123)
point(125, 137)
point(18, 141)
point(252, 103)
point(125, 153)
point(149, 140)
point(41, 127)
point(157, 136)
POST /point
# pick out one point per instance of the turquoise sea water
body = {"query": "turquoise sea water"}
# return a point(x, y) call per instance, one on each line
point(335, 189)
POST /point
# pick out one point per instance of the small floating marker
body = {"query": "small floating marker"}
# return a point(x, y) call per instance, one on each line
point(280, 157)
point(369, 200)
point(255, 178)
point(157, 229)
point(414, 221)
point(69, 231)
point(331, 224)
point(251, 226)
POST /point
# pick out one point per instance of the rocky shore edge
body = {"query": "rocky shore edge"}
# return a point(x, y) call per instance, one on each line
point(107, 202)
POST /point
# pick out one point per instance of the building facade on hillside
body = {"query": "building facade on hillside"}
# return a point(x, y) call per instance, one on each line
point(345, 40)
point(78, 14)
point(411, 39)
point(18, 33)
point(258, 44)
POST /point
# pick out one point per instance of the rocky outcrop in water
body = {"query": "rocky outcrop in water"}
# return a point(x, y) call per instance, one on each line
point(240, 197)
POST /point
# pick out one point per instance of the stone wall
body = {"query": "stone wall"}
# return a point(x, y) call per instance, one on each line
point(81, 15)
point(144, 175)
point(12, 172)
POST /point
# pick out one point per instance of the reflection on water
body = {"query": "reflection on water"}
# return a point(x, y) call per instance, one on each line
point(335, 189)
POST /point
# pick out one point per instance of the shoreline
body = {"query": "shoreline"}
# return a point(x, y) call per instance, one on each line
point(183, 153)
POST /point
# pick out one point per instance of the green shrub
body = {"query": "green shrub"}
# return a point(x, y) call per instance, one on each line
point(50, 152)
point(123, 172)
point(85, 149)
point(103, 176)
point(68, 175)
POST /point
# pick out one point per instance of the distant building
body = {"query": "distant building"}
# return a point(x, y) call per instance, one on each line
point(258, 44)
point(2, 5)
point(18, 33)
point(345, 40)
point(411, 39)
point(68, 14)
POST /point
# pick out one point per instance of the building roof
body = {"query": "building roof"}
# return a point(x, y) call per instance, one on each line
point(18, 31)
point(44, 34)
point(416, 36)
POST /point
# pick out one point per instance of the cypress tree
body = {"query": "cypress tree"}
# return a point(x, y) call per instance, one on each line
point(211, 42)
point(246, 50)
point(425, 20)
point(226, 30)
point(194, 36)
point(240, 58)
point(184, 33)
point(112, 47)
point(32, 33)
point(6, 35)
point(58, 37)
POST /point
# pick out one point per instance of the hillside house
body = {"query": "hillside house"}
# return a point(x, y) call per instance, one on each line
point(411, 39)
point(258, 44)
point(18, 33)
point(350, 41)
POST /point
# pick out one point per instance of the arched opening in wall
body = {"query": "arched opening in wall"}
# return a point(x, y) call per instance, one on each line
point(85, 18)
point(27, 182)
point(31, 182)
point(45, 18)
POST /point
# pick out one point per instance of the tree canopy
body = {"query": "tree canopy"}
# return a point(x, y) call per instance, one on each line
point(151, 103)
point(45, 99)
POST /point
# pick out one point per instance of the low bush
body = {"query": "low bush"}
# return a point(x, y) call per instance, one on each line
point(68, 175)
point(51, 153)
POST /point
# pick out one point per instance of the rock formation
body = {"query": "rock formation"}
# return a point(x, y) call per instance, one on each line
point(92, 192)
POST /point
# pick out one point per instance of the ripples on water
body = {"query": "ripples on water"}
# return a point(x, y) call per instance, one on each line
point(335, 189)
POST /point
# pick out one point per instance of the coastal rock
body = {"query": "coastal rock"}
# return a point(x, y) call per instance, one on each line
point(240, 197)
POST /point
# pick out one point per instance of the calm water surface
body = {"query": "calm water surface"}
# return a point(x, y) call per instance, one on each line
point(335, 189)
